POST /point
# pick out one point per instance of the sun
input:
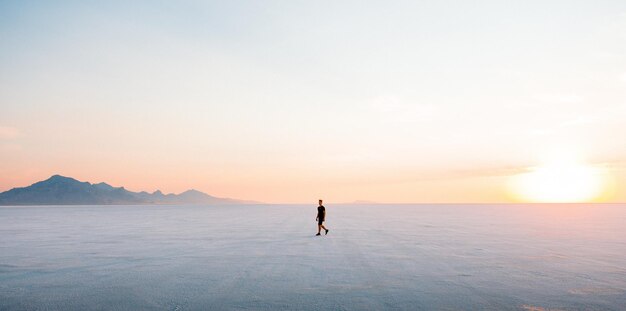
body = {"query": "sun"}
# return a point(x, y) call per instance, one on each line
point(560, 179)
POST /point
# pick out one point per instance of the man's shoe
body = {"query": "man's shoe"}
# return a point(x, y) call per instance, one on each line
point(326, 232)
point(317, 234)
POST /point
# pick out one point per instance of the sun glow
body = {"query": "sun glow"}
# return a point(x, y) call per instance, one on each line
point(560, 179)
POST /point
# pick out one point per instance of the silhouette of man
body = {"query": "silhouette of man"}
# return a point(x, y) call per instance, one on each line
point(321, 216)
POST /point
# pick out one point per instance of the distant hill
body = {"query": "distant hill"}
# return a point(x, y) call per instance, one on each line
point(60, 190)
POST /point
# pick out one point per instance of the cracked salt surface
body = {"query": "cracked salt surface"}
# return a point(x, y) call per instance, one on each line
point(266, 257)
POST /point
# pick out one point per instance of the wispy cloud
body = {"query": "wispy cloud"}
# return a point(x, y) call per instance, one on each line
point(558, 98)
point(10, 147)
point(400, 107)
point(8, 133)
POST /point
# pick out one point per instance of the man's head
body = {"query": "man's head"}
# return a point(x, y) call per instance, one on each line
point(320, 200)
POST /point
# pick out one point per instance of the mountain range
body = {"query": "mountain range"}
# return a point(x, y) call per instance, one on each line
point(61, 190)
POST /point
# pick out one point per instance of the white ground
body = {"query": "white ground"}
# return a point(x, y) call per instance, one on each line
point(497, 257)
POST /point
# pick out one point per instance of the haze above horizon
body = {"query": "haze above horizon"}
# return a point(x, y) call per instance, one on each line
point(399, 102)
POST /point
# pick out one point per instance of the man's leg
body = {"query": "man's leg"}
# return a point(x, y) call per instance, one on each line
point(324, 229)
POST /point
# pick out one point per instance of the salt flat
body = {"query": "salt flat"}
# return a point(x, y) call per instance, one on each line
point(266, 257)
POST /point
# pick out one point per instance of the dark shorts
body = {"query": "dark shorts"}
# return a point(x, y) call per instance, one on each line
point(320, 221)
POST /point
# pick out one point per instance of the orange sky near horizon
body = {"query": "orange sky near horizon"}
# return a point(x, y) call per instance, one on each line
point(462, 188)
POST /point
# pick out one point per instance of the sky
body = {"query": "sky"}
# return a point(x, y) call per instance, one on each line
point(291, 101)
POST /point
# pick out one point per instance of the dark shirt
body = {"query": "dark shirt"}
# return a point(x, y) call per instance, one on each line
point(321, 211)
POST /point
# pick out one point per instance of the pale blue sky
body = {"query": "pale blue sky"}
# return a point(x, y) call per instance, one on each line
point(247, 99)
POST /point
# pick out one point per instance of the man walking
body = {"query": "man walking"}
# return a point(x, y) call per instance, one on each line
point(321, 216)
